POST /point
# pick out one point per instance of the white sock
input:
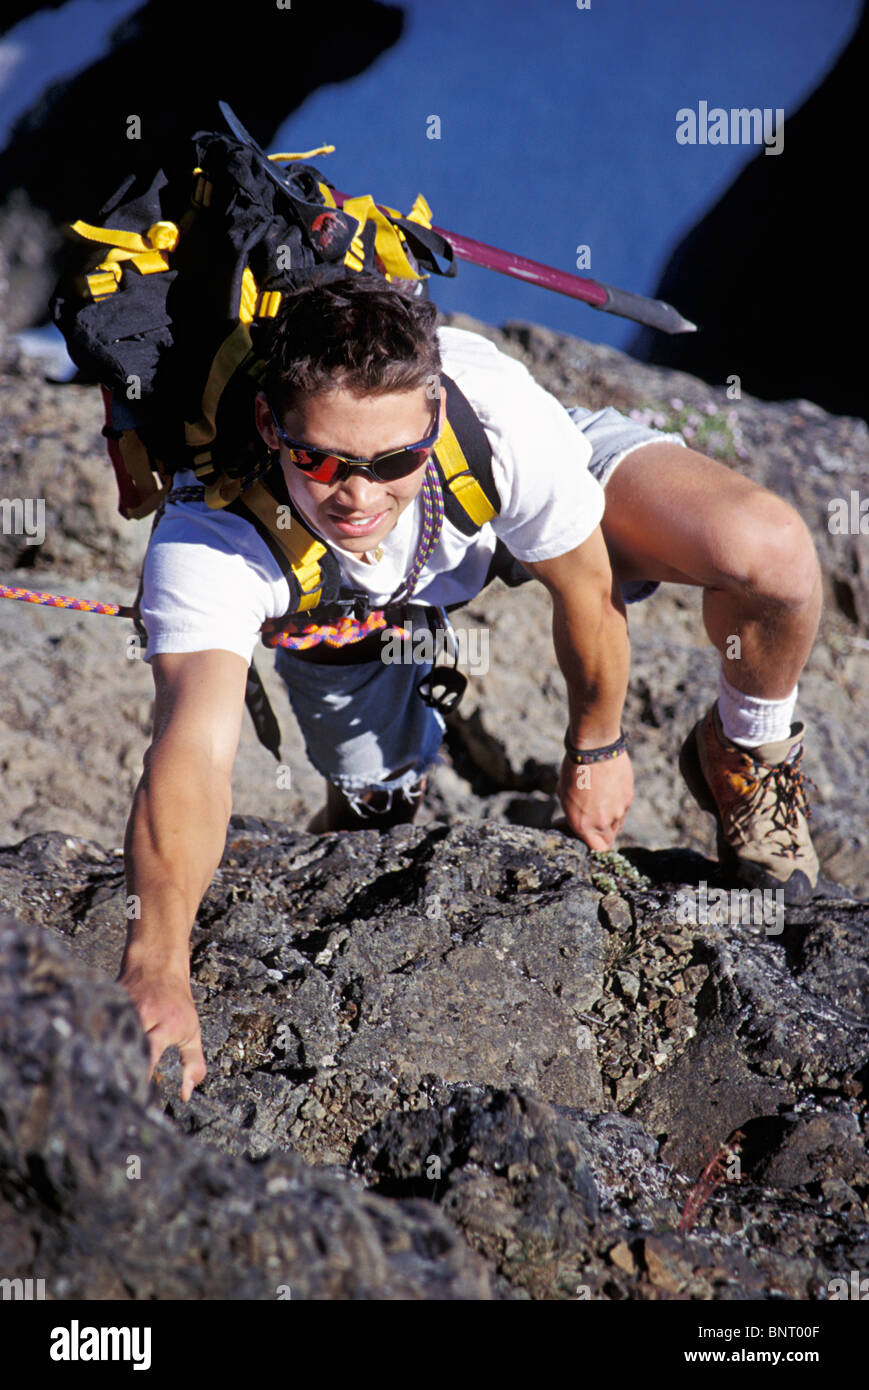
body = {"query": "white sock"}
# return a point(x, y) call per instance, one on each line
point(750, 721)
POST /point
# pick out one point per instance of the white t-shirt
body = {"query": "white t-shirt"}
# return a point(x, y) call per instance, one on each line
point(210, 581)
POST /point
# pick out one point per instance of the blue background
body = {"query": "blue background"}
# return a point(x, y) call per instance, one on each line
point(557, 124)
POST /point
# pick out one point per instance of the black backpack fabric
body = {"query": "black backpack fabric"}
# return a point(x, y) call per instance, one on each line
point(168, 300)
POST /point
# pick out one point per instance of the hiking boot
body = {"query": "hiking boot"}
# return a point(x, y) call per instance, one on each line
point(373, 809)
point(758, 799)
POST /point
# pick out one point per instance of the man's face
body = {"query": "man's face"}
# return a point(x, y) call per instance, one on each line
point(358, 512)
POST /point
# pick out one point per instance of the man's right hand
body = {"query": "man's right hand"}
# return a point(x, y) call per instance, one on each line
point(168, 1015)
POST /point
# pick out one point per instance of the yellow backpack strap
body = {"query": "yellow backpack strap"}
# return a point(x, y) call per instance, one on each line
point(140, 466)
point(387, 241)
point(420, 212)
point(146, 251)
point(460, 480)
point(304, 154)
point(464, 457)
point(290, 542)
point(229, 357)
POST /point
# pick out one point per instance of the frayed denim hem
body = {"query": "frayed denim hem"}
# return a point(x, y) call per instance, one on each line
point(405, 782)
point(412, 791)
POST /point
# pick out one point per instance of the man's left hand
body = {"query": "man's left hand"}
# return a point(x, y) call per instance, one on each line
point(596, 798)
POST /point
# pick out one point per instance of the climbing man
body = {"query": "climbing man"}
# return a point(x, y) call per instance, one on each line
point(367, 405)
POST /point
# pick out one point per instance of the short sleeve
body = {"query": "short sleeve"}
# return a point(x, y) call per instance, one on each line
point(550, 503)
point(200, 591)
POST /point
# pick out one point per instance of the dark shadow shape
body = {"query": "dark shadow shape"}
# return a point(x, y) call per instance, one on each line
point(774, 273)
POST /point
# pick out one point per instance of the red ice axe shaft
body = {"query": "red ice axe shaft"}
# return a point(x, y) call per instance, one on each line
point(654, 313)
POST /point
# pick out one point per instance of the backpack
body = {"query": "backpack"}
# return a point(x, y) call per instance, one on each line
point(168, 303)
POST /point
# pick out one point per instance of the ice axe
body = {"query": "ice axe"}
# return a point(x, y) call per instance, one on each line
point(654, 313)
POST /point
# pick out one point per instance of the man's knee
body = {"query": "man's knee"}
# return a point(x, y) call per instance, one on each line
point(769, 550)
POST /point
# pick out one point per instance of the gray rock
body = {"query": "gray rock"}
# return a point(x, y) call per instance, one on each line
point(104, 1198)
point(478, 973)
point(817, 1148)
point(472, 954)
point(764, 1035)
point(509, 1171)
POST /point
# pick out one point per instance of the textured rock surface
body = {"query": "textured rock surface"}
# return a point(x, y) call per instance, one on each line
point(487, 1042)
point(65, 766)
point(185, 1223)
point(476, 989)
point(334, 973)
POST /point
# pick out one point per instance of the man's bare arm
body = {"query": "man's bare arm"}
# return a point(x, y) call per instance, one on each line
point(175, 838)
point(591, 645)
point(590, 632)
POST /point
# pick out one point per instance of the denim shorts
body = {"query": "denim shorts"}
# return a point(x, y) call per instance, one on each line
point(362, 722)
point(612, 436)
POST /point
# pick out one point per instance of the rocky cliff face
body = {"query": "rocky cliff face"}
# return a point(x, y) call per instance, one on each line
point(467, 1066)
point(470, 1059)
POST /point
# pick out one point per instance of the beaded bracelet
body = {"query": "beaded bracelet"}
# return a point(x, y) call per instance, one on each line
point(581, 756)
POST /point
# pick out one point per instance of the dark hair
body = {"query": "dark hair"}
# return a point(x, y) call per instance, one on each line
point(360, 333)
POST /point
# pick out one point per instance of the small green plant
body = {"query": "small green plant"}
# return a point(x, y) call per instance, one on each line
point(705, 427)
point(611, 870)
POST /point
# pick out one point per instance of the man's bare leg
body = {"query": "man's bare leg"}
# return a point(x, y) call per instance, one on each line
point(673, 515)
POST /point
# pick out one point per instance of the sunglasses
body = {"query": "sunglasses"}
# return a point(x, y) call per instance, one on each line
point(326, 467)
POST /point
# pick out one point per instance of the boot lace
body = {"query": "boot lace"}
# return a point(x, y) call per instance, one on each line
point(787, 782)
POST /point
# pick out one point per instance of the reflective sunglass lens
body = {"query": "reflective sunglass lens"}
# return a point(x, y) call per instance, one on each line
point(396, 466)
point(330, 470)
point(324, 468)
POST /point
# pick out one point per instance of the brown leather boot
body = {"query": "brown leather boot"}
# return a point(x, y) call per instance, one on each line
point(758, 799)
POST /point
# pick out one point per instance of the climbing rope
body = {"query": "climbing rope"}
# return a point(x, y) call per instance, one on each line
point(295, 633)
